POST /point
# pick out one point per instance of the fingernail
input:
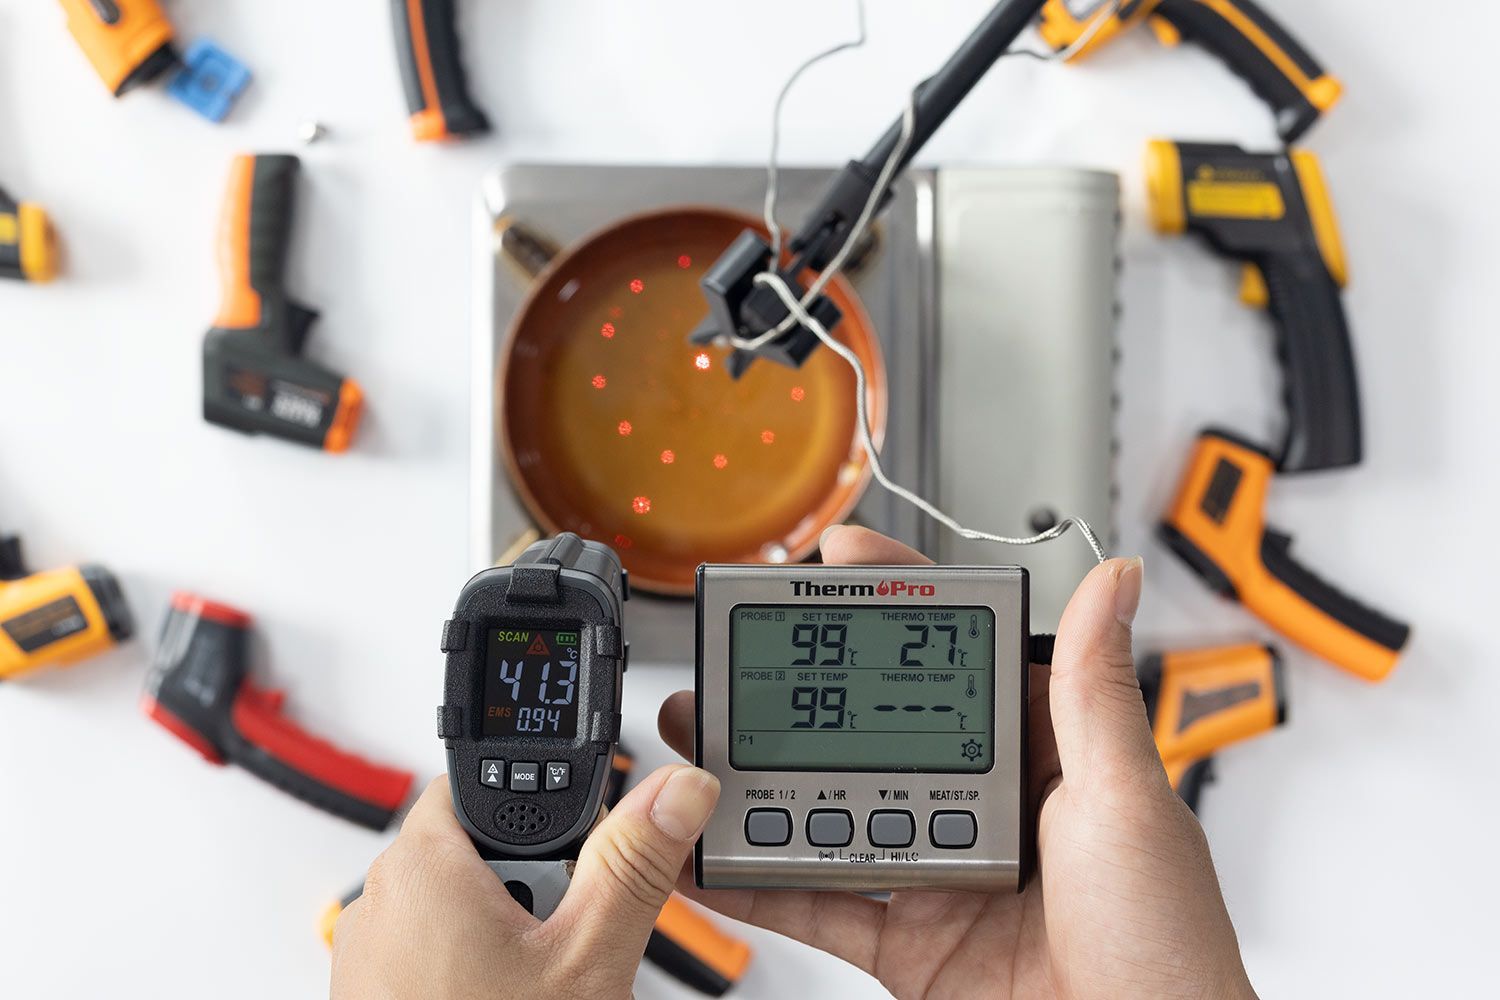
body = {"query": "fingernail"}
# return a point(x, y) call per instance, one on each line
point(684, 803)
point(823, 538)
point(1128, 590)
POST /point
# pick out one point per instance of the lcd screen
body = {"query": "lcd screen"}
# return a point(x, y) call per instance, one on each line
point(862, 688)
point(531, 683)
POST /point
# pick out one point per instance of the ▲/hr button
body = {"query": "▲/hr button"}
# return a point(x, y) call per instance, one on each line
point(892, 828)
point(768, 827)
point(830, 828)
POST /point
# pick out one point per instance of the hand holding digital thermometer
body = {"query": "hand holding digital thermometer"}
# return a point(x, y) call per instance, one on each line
point(531, 709)
point(867, 725)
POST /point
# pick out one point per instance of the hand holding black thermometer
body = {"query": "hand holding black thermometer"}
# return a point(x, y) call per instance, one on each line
point(531, 709)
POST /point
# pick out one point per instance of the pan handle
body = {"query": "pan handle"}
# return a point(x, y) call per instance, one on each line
point(528, 251)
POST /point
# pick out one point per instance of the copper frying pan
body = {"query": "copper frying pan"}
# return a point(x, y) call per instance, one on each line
point(617, 428)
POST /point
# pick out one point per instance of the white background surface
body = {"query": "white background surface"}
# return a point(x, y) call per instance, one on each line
point(1356, 846)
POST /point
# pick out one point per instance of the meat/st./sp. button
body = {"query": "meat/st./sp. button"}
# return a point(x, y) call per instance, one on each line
point(768, 827)
point(953, 829)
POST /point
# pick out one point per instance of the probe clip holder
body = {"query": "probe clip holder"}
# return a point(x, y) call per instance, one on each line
point(738, 307)
point(741, 308)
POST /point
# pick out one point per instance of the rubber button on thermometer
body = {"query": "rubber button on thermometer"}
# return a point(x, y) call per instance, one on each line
point(830, 828)
point(892, 828)
point(768, 827)
point(954, 830)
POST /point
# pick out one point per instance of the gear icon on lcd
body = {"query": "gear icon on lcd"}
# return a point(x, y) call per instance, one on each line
point(971, 749)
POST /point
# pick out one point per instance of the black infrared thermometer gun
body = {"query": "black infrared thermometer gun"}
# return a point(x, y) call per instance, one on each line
point(531, 709)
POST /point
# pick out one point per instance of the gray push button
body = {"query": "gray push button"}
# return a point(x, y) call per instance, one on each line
point(523, 777)
point(953, 829)
point(557, 775)
point(830, 828)
point(892, 828)
point(768, 827)
point(492, 773)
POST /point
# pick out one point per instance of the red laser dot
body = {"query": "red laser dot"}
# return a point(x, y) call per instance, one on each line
point(599, 381)
point(720, 461)
point(798, 394)
point(607, 331)
point(668, 457)
point(701, 362)
point(684, 262)
point(768, 437)
point(623, 542)
point(624, 428)
point(641, 505)
point(637, 285)
point(615, 312)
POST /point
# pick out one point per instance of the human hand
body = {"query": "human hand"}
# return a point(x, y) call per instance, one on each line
point(1132, 905)
point(434, 923)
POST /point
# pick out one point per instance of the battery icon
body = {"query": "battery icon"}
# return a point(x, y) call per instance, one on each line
point(567, 638)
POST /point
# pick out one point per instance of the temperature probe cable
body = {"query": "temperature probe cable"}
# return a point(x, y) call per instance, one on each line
point(798, 311)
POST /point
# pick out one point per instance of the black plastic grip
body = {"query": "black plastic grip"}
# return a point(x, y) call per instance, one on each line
point(310, 790)
point(273, 200)
point(432, 74)
point(1200, 22)
point(1324, 428)
point(1276, 554)
point(1190, 786)
point(10, 249)
point(678, 961)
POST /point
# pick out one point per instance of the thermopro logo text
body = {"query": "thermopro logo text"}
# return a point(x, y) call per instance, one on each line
point(885, 588)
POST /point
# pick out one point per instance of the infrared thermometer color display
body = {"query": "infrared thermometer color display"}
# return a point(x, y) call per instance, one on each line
point(867, 726)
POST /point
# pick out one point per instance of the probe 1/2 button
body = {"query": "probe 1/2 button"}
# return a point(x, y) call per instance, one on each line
point(558, 773)
point(768, 827)
point(492, 773)
point(892, 828)
point(524, 777)
point(953, 829)
point(830, 828)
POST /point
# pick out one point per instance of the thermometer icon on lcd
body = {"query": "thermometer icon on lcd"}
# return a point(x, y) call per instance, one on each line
point(973, 627)
point(971, 692)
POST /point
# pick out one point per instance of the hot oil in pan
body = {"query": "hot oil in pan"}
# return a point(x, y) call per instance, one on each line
point(627, 433)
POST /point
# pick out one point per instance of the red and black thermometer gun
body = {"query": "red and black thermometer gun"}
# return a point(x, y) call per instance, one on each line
point(200, 690)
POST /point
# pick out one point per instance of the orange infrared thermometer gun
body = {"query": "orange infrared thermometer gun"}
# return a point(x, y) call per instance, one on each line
point(56, 617)
point(1203, 700)
point(1248, 40)
point(437, 92)
point(1217, 526)
point(28, 244)
point(128, 42)
point(1273, 214)
point(254, 378)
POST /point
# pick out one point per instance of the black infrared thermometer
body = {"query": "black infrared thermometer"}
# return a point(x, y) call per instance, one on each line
point(531, 708)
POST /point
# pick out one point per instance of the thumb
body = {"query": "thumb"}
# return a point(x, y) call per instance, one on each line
point(630, 863)
point(1098, 715)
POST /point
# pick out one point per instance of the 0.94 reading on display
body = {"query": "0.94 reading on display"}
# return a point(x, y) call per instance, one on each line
point(862, 688)
point(531, 683)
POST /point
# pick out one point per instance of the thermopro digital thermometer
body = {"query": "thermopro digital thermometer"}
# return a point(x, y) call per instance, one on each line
point(867, 725)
